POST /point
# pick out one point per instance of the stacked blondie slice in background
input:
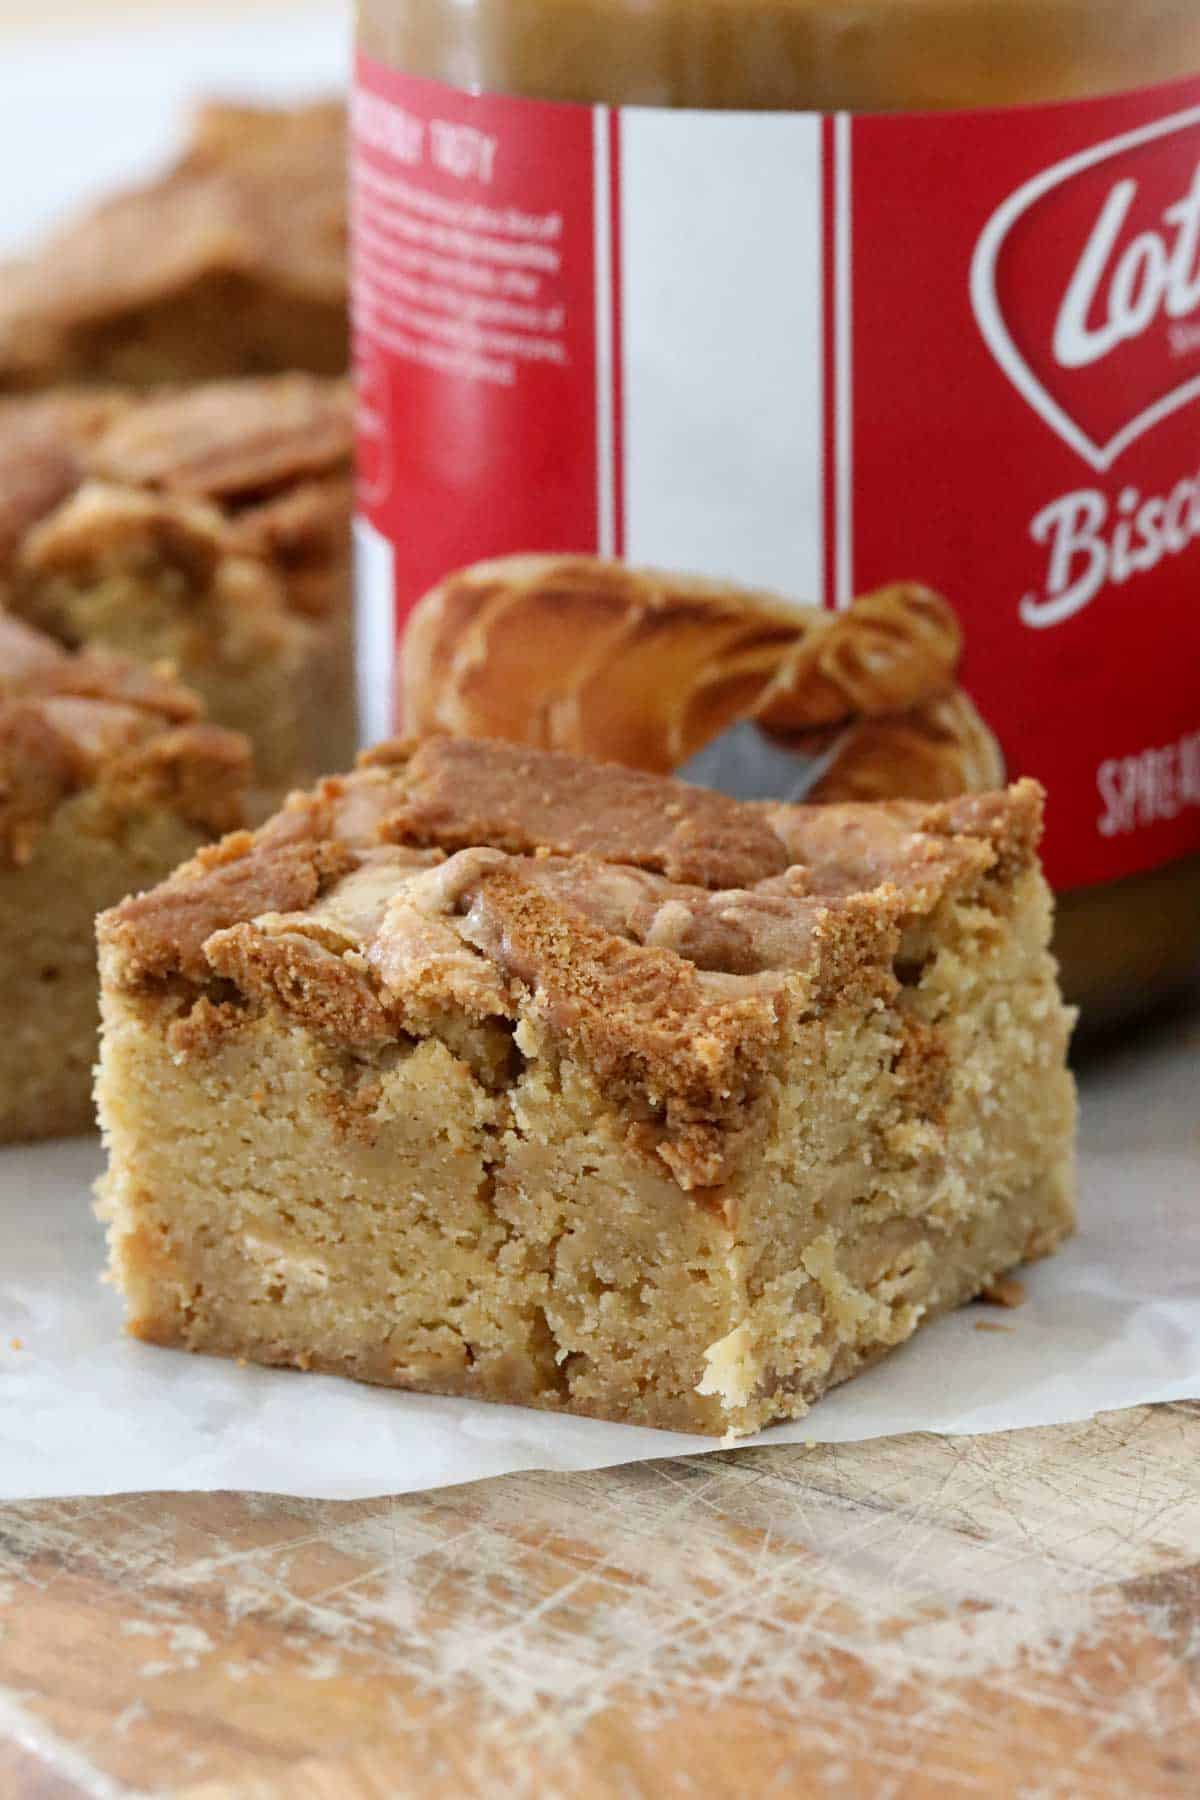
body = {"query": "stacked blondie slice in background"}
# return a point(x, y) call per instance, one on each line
point(174, 548)
point(208, 528)
point(233, 262)
point(107, 777)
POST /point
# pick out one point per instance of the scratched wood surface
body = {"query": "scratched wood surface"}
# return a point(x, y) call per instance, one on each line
point(1009, 1615)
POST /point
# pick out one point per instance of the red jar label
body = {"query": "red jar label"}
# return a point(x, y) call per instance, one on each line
point(806, 357)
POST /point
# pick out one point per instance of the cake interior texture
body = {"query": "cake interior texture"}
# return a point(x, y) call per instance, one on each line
point(208, 528)
point(108, 777)
point(490, 1072)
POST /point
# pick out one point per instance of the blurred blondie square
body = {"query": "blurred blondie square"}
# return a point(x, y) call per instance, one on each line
point(208, 528)
point(108, 777)
point(233, 262)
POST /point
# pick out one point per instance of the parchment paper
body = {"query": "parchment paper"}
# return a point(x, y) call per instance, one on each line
point(1113, 1321)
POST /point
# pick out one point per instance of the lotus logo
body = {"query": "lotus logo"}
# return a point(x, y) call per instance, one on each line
point(1086, 286)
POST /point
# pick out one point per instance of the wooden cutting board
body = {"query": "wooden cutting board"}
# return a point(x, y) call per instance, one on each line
point(1014, 1615)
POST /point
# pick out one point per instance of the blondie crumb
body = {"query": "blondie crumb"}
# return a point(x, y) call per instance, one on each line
point(1007, 1291)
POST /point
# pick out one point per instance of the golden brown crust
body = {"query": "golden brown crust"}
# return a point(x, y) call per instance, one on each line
point(25, 654)
point(37, 471)
point(303, 531)
point(229, 440)
point(253, 214)
point(229, 134)
point(856, 846)
point(457, 797)
point(198, 771)
point(644, 1019)
point(37, 770)
point(665, 934)
point(1010, 823)
point(101, 527)
point(44, 441)
point(302, 977)
point(74, 415)
point(33, 666)
point(210, 528)
point(69, 722)
point(256, 468)
point(164, 932)
point(207, 528)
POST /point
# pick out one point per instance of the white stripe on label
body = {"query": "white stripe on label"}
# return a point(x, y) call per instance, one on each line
point(844, 358)
point(375, 634)
point(606, 530)
point(722, 322)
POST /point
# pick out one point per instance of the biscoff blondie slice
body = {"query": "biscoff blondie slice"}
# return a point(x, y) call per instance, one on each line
point(488, 1071)
point(107, 778)
point(232, 262)
point(209, 528)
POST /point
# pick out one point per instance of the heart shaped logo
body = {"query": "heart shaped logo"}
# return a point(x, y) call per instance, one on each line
point(1085, 284)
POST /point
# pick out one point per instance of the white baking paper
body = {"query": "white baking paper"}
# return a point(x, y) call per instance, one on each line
point(1112, 1321)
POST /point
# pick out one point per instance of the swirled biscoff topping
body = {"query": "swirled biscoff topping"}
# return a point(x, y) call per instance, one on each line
point(229, 439)
point(256, 469)
point(91, 721)
point(663, 930)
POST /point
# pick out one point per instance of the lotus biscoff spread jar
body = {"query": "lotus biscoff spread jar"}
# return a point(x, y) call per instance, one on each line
point(804, 396)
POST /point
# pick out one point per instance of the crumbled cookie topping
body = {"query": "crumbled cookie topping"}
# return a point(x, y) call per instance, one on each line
point(73, 722)
point(664, 931)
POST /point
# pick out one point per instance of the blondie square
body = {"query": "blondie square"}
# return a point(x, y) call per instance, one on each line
point(493, 1072)
point(231, 263)
point(209, 528)
point(107, 778)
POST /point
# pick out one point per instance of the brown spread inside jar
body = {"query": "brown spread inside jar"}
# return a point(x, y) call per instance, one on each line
point(1128, 943)
point(815, 55)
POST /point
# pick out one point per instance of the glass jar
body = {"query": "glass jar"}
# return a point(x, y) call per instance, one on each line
point(1129, 902)
point(810, 55)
